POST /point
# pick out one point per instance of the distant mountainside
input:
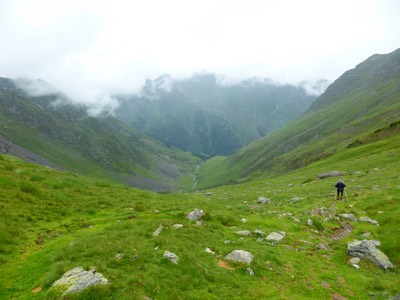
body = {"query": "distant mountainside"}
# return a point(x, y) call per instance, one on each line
point(204, 114)
point(358, 105)
point(65, 136)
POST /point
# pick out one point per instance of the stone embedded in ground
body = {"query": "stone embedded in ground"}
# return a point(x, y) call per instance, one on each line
point(349, 217)
point(158, 230)
point(172, 257)
point(322, 247)
point(258, 232)
point(276, 236)
point(330, 174)
point(177, 226)
point(195, 215)
point(119, 256)
point(78, 279)
point(243, 232)
point(309, 222)
point(250, 271)
point(368, 220)
point(263, 200)
point(244, 220)
point(295, 199)
point(208, 250)
point(366, 249)
point(354, 260)
point(240, 256)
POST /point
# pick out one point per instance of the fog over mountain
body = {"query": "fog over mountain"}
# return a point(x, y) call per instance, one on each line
point(94, 49)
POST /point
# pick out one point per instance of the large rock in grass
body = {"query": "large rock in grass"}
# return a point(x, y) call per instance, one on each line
point(366, 249)
point(241, 256)
point(78, 279)
point(276, 237)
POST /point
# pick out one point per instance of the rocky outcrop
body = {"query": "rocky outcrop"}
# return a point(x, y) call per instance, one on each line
point(349, 217)
point(368, 220)
point(78, 279)
point(366, 249)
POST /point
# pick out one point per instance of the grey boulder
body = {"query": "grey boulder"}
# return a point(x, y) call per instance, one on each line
point(366, 249)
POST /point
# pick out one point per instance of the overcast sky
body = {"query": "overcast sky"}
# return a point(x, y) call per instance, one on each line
point(91, 48)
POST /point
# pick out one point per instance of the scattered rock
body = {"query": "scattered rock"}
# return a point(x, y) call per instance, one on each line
point(276, 237)
point(250, 271)
point(172, 257)
point(244, 232)
point(290, 185)
point(226, 242)
point(195, 215)
point(349, 217)
point(367, 234)
point(208, 250)
point(309, 222)
point(322, 247)
point(244, 220)
point(240, 256)
point(158, 230)
point(263, 200)
point(330, 174)
point(295, 199)
point(354, 260)
point(78, 279)
point(258, 232)
point(325, 284)
point(119, 256)
point(208, 194)
point(366, 249)
point(368, 220)
point(177, 226)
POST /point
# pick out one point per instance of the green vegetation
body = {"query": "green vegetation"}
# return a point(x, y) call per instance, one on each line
point(104, 147)
point(203, 115)
point(357, 105)
point(53, 222)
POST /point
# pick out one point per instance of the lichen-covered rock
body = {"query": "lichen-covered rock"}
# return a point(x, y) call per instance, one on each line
point(366, 249)
point(243, 232)
point(78, 279)
point(195, 215)
point(368, 220)
point(349, 217)
point(172, 257)
point(240, 256)
point(263, 200)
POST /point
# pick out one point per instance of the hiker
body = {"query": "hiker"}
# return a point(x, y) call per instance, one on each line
point(340, 188)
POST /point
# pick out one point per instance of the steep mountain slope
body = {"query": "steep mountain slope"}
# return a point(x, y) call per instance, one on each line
point(67, 137)
point(203, 114)
point(360, 102)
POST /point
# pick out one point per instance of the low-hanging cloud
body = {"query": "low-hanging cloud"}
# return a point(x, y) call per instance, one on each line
point(91, 50)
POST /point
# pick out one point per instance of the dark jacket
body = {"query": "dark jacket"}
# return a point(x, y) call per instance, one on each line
point(340, 185)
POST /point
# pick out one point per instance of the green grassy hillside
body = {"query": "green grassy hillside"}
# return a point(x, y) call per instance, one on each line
point(201, 114)
point(103, 147)
point(360, 102)
point(55, 221)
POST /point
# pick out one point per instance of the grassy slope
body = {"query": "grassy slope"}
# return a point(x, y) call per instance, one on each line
point(102, 147)
point(56, 221)
point(358, 103)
